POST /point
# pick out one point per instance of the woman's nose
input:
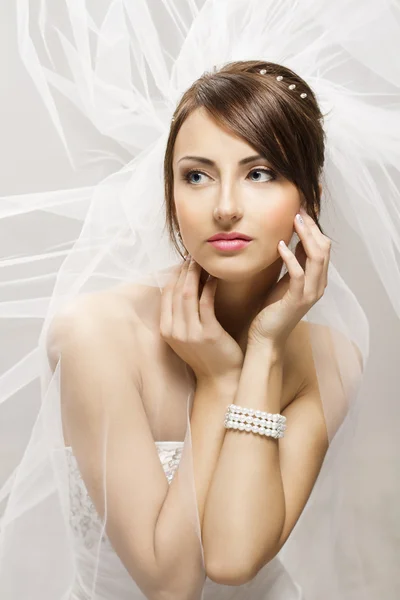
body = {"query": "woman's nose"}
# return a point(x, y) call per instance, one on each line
point(227, 208)
point(223, 213)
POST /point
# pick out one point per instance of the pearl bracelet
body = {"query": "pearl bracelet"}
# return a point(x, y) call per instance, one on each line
point(256, 421)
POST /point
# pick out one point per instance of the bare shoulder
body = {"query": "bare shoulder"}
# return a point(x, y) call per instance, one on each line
point(94, 318)
point(120, 304)
point(330, 369)
point(314, 338)
point(99, 310)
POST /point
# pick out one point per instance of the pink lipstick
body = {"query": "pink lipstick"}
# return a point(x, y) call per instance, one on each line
point(233, 240)
point(236, 244)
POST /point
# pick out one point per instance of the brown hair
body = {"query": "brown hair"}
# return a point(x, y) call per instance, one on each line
point(280, 124)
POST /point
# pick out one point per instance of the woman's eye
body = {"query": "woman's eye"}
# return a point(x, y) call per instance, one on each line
point(188, 175)
point(265, 171)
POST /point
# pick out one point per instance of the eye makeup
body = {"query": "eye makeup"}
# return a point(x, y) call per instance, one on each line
point(186, 175)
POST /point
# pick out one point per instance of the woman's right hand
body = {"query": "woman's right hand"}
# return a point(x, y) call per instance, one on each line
point(189, 325)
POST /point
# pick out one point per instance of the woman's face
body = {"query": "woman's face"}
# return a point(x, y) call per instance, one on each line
point(228, 196)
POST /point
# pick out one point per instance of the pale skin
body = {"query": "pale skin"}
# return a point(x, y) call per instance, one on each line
point(247, 200)
point(238, 539)
point(251, 347)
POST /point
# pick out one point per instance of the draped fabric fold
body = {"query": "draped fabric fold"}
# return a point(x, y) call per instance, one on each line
point(122, 67)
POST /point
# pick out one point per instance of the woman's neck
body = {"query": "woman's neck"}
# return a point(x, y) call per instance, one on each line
point(237, 303)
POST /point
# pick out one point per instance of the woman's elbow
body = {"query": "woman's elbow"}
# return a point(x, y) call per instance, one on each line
point(235, 572)
point(229, 574)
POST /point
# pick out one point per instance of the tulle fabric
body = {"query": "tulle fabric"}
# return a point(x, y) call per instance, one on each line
point(124, 70)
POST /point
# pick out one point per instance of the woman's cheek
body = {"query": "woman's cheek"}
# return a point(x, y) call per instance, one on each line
point(190, 215)
point(278, 223)
point(279, 218)
point(190, 226)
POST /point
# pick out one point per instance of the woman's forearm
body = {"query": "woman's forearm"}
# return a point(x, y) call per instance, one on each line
point(177, 543)
point(245, 509)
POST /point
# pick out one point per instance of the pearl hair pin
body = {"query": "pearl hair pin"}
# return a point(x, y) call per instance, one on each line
point(292, 86)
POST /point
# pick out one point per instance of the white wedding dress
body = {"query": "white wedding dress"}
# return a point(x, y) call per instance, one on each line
point(272, 582)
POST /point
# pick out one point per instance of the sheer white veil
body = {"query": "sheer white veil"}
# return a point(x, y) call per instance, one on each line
point(124, 66)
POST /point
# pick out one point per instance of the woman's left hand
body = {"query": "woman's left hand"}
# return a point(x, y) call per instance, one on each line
point(297, 291)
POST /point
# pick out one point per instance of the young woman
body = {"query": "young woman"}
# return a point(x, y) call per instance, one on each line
point(196, 420)
point(237, 350)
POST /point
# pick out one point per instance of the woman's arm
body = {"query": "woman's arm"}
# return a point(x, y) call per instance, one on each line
point(261, 484)
point(207, 431)
point(147, 520)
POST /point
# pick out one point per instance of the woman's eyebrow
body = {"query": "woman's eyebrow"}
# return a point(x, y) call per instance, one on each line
point(208, 161)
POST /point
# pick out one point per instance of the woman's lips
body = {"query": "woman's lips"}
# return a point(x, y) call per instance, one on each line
point(228, 245)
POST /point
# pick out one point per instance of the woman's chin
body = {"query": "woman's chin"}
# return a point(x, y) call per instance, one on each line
point(232, 276)
point(241, 271)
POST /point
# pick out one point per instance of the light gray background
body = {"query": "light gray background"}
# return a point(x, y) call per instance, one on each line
point(33, 159)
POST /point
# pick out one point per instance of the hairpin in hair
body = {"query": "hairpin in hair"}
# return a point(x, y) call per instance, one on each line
point(292, 86)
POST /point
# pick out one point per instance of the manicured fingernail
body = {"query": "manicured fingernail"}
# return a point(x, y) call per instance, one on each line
point(282, 244)
point(299, 218)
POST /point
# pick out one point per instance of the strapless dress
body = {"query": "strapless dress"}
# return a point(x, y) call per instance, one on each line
point(113, 580)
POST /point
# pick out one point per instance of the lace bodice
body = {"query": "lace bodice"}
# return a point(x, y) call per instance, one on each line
point(84, 519)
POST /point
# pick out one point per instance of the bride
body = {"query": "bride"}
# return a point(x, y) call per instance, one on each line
point(197, 416)
point(105, 349)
